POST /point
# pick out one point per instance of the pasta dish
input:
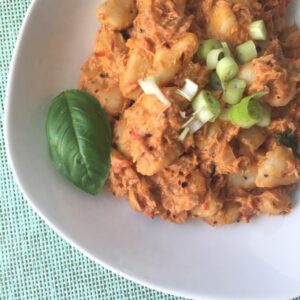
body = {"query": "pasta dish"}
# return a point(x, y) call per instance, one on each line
point(204, 105)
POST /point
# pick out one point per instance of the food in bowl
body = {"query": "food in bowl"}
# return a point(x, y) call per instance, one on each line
point(202, 98)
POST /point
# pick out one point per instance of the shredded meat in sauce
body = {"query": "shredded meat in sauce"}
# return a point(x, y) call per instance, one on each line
point(222, 174)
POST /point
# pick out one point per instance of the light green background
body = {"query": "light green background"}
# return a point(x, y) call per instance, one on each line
point(35, 263)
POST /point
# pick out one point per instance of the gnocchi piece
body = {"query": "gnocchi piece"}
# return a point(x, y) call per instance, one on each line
point(252, 138)
point(230, 213)
point(169, 61)
point(274, 202)
point(222, 21)
point(111, 98)
point(209, 207)
point(277, 168)
point(229, 20)
point(244, 179)
point(138, 64)
point(117, 14)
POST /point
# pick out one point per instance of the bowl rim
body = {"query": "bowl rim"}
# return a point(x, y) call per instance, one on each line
point(13, 168)
point(49, 222)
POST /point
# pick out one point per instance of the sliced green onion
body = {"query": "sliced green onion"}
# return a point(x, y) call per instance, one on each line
point(215, 81)
point(227, 69)
point(206, 107)
point(187, 123)
point(246, 52)
point(150, 87)
point(205, 115)
point(213, 57)
point(189, 90)
point(183, 134)
point(258, 30)
point(246, 113)
point(234, 91)
point(195, 125)
point(206, 47)
point(226, 49)
point(266, 116)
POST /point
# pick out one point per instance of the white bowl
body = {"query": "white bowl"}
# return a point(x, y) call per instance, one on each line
point(260, 260)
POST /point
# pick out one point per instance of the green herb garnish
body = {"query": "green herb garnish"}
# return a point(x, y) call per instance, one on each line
point(79, 139)
point(288, 139)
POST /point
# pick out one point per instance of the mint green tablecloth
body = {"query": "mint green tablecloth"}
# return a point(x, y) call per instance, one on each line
point(35, 263)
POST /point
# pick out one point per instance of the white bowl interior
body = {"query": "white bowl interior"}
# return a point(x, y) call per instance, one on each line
point(257, 260)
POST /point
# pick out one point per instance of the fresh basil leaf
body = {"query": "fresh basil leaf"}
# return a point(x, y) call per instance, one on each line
point(79, 138)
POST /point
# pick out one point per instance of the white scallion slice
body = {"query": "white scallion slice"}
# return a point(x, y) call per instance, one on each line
point(189, 90)
point(150, 87)
point(204, 115)
point(258, 31)
point(184, 134)
point(190, 120)
point(195, 125)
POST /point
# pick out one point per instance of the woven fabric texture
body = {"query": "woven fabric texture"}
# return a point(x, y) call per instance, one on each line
point(35, 263)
